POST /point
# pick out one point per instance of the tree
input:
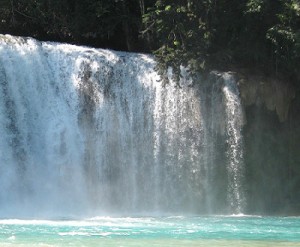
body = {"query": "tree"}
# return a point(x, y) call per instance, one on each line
point(209, 34)
point(182, 32)
point(106, 23)
point(285, 38)
point(199, 34)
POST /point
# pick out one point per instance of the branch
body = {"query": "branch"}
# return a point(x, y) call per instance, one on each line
point(24, 14)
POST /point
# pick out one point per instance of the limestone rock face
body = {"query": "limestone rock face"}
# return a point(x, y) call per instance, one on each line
point(271, 144)
point(275, 94)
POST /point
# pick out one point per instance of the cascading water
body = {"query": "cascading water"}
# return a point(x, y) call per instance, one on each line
point(234, 123)
point(88, 131)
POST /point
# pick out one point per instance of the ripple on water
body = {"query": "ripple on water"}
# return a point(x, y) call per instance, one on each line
point(160, 231)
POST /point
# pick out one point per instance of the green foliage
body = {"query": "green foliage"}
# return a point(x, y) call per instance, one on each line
point(181, 30)
point(199, 34)
point(111, 23)
point(210, 34)
point(254, 6)
point(285, 37)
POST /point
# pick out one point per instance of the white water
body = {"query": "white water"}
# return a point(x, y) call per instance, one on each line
point(93, 132)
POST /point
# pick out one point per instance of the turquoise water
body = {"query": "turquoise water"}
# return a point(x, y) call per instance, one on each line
point(153, 231)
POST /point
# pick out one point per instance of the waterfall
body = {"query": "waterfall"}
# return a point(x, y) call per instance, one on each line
point(95, 132)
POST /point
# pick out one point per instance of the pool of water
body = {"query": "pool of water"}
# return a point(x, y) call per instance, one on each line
point(153, 231)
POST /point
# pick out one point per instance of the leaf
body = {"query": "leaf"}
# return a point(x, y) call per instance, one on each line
point(168, 8)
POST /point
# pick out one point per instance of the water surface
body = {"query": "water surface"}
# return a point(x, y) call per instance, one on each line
point(153, 231)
